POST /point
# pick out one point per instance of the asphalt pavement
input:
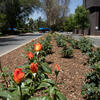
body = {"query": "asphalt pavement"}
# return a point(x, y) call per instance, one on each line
point(9, 43)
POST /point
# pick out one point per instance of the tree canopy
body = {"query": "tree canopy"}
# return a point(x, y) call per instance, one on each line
point(82, 18)
point(54, 9)
point(69, 24)
point(16, 11)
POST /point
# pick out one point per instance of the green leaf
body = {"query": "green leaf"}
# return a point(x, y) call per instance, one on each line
point(43, 85)
point(51, 91)
point(41, 98)
point(46, 68)
point(28, 81)
point(1, 86)
point(10, 96)
point(5, 94)
point(83, 92)
point(60, 95)
point(49, 81)
point(11, 89)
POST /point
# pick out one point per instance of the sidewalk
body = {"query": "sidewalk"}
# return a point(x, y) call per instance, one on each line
point(92, 36)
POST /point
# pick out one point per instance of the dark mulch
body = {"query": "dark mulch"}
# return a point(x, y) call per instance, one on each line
point(72, 70)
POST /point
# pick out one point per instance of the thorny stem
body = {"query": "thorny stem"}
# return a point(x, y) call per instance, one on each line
point(3, 75)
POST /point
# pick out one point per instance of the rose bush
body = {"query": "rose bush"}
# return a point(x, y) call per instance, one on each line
point(32, 77)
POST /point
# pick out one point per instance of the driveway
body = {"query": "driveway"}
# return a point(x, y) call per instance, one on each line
point(10, 43)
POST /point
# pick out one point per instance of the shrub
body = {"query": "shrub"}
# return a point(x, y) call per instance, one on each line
point(67, 52)
point(60, 43)
point(85, 45)
point(46, 47)
point(62, 37)
point(60, 40)
point(69, 39)
point(75, 44)
point(91, 88)
point(94, 56)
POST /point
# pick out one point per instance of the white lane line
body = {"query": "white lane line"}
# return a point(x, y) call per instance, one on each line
point(19, 46)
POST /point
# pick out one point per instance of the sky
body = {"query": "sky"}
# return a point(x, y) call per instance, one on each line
point(72, 6)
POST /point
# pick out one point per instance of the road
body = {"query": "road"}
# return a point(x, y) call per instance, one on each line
point(10, 43)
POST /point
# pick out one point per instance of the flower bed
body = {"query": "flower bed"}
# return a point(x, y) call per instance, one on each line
point(72, 70)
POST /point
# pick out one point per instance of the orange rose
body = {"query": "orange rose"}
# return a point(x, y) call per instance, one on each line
point(33, 68)
point(30, 55)
point(46, 34)
point(56, 67)
point(37, 47)
point(18, 75)
point(32, 40)
point(51, 42)
point(42, 38)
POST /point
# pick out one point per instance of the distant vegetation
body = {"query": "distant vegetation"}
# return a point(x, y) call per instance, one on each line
point(14, 16)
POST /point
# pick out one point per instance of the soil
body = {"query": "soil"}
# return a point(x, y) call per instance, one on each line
point(72, 70)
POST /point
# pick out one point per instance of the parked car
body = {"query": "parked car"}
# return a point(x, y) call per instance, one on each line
point(44, 30)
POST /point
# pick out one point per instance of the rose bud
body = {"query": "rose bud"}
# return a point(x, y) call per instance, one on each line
point(30, 55)
point(33, 67)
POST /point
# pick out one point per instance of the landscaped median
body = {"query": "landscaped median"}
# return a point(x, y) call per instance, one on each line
point(32, 76)
point(52, 67)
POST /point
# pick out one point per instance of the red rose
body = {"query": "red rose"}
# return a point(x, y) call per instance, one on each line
point(18, 75)
point(30, 55)
point(56, 67)
point(33, 67)
point(37, 47)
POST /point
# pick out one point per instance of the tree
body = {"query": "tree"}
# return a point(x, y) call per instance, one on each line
point(17, 10)
point(69, 24)
point(3, 22)
point(31, 24)
point(54, 9)
point(59, 26)
point(81, 18)
point(40, 23)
